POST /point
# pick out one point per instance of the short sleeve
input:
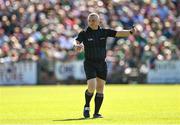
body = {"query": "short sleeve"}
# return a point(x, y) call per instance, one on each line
point(80, 37)
point(110, 33)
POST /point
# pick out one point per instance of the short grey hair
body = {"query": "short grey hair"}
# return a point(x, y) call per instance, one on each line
point(93, 14)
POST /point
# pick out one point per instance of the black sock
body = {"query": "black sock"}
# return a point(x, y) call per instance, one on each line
point(98, 101)
point(88, 97)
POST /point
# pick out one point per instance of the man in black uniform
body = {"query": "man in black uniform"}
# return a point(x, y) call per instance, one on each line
point(93, 41)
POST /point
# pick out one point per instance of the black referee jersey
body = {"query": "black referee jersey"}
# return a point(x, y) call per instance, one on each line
point(95, 42)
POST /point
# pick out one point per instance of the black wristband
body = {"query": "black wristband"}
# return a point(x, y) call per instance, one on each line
point(130, 32)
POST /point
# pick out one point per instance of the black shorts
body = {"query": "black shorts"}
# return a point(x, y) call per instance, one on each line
point(95, 69)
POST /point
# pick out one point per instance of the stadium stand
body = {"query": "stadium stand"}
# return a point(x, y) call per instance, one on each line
point(44, 31)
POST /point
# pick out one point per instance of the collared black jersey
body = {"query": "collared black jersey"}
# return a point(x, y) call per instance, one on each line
point(95, 42)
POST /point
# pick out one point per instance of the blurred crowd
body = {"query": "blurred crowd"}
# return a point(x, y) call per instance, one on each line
point(45, 30)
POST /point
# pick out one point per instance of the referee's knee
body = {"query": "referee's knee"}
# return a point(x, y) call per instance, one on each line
point(91, 85)
point(91, 90)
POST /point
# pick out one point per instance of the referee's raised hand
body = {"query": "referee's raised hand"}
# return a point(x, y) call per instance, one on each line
point(133, 30)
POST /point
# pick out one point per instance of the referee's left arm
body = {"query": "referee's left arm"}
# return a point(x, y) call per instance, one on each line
point(125, 33)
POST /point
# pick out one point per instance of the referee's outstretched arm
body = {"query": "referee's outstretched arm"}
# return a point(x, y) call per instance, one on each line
point(125, 33)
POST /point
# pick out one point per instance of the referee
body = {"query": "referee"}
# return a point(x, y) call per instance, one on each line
point(93, 41)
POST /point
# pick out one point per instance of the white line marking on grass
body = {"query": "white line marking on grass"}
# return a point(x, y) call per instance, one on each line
point(94, 124)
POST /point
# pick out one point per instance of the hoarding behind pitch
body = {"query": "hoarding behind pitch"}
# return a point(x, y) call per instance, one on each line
point(165, 72)
point(15, 73)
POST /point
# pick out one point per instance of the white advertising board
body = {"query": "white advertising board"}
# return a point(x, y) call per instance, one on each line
point(66, 70)
point(165, 72)
point(18, 73)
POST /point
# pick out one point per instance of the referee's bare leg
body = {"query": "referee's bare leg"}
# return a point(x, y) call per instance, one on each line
point(88, 96)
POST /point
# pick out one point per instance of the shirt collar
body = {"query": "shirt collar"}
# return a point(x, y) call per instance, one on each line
point(90, 29)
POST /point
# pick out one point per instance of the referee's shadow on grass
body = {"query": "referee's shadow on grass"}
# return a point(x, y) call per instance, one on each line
point(72, 119)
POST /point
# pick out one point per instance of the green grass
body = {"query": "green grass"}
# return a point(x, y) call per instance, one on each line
point(123, 104)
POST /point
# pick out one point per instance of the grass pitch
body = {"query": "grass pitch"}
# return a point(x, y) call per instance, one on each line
point(123, 104)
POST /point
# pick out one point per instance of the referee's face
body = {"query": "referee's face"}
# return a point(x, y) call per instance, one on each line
point(93, 21)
